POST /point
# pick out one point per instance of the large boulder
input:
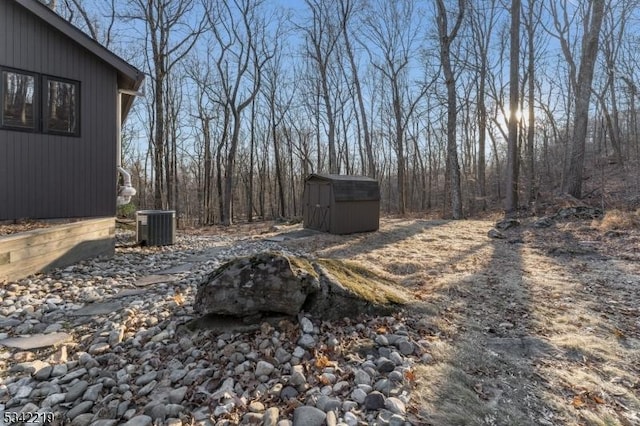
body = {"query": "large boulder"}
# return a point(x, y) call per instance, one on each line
point(265, 282)
point(272, 283)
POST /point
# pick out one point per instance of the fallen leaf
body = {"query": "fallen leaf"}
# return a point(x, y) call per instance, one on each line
point(324, 380)
point(410, 376)
point(322, 361)
point(597, 399)
point(577, 401)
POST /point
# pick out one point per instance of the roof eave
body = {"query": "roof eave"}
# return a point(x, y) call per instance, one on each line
point(130, 73)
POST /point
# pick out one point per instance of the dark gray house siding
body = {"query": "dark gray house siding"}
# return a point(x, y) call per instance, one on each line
point(341, 204)
point(58, 176)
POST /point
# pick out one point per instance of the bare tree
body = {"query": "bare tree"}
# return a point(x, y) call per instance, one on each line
point(347, 8)
point(244, 49)
point(593, 18)
point(171, 38)
point(514, 104)
point(446, 38)
point(392, 29)
point(322, 35)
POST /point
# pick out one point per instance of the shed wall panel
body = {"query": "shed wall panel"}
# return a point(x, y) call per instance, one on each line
point(47, 176)
point(355, 216)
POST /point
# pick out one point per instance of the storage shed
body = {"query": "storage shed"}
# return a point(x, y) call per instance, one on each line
point(341, 204)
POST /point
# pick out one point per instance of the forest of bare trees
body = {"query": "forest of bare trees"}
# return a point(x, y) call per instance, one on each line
point(455, 106)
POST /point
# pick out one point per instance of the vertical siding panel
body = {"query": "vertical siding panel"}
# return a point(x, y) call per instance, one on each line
point(47, 176)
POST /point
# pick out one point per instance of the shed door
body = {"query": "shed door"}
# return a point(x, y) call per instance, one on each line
point(319, 205)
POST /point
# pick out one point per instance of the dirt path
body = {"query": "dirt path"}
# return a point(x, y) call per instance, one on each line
point(542, 327)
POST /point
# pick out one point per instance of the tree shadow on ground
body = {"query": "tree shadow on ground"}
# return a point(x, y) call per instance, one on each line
point(540, 335)
point(483, 369)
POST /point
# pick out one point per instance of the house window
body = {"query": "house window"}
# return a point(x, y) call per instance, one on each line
point(61, 106)
point(18, 91)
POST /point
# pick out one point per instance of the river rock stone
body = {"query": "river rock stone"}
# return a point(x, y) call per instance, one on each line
point(308, 416)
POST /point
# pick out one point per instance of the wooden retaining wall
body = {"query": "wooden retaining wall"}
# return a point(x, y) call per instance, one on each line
point(43, 249)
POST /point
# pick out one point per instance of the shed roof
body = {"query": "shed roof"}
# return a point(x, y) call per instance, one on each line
point(350, 187)
point(129, 77)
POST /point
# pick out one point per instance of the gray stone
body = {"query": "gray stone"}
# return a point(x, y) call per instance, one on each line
point(100, 308)
point(129, 292)
point(282, 355)
point(385, 365)
point(326, 403)
point(141, 420)
point(374, 401)
point(252, 418)
point(147, 389)
point(358, 395)
point(159, 412)
point(59, 370)
point(264, 368)
point(116, 336)
point(53, 399)
point(177, 374)
point(308, 416)
point(104, 422)
point(396, 358)
point(405, 347)
point(155, 279)
point(396, 376)
point(383, 385)
point(76, 391)
point(82, 419)
point(297, 376)
point(36, 341)
point(178, 269)
point(395, 405)
point(397, 420)
point(23, 392)
point(44, 373)
point(72, 375)
point(288, 392)
point(265, 282)
point(81, 408)
point(351, 419)
point(93, 392)
point(505, 224)
point(307, 325)
point(146, 378)
point(382, 340)
point(270, 417)
point(174, 410)
point(307, 341)
point(176, 396)
point(361, 377)
point(28, 367)
point(99, 348)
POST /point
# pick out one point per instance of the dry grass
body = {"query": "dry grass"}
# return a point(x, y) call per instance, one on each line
point(540, 328)
point(360, 280)
point(619, 220)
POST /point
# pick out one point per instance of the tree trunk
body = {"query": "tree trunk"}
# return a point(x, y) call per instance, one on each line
point(573, 185)
point(453, 167)
point(512, 144)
